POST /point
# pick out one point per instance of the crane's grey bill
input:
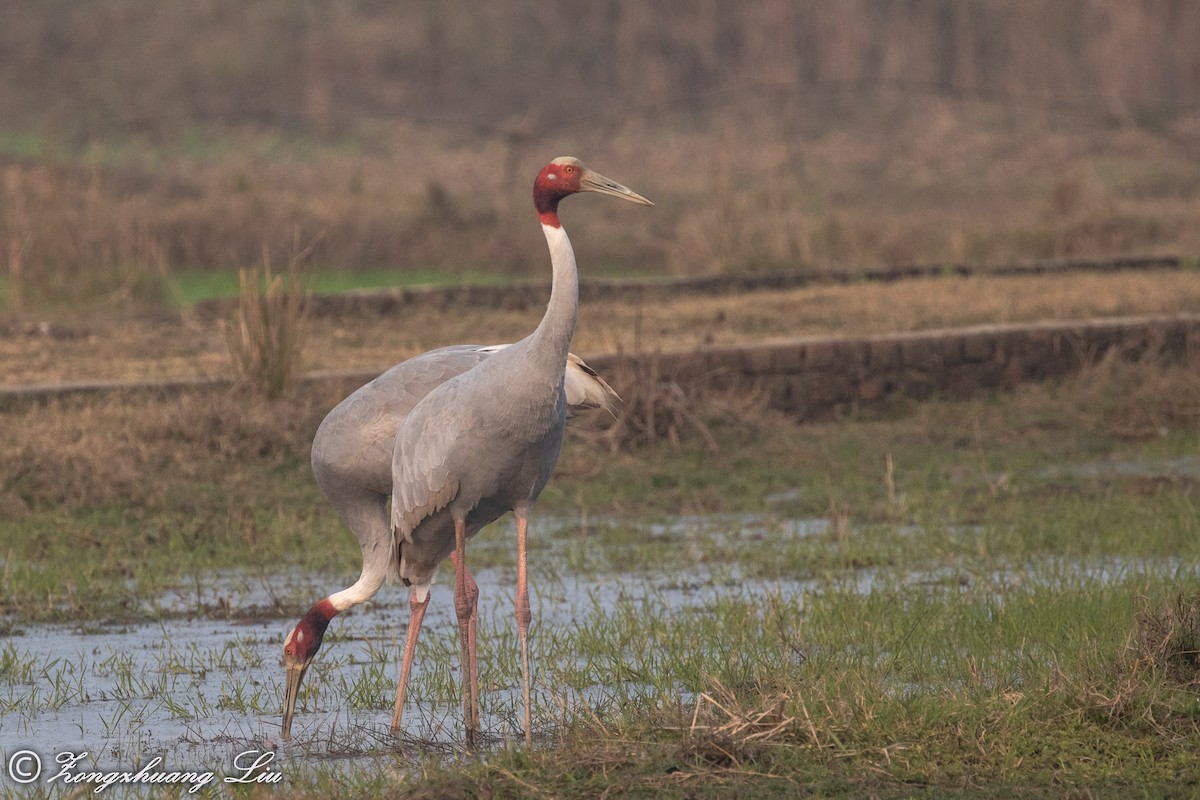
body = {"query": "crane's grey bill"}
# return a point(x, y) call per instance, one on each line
point(295, 674)
point(592, 182)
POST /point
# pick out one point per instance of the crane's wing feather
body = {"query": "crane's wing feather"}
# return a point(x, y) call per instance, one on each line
point(428, 463)
point(423, 478)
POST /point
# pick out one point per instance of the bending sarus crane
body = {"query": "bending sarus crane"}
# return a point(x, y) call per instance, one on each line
point(457, 436)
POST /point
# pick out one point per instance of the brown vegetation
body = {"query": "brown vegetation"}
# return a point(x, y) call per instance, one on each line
point(1155, 680)
point(772, 135)
point(135, 452)
point(1168, 638)
point(267, 340)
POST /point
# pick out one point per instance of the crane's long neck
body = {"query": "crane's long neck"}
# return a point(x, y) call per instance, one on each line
point(552, 339)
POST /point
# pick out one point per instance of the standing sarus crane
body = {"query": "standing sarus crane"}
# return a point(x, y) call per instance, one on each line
point(457, 437)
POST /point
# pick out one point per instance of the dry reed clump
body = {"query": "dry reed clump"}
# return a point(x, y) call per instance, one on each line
point(727, 733)
point(268, 339)
point(1167, 641)
point(1156, 678)
point(672, 400)
point(676, 399)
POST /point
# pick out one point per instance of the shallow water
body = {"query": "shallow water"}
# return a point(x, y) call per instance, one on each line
point(198, 691)
point(1182, 467)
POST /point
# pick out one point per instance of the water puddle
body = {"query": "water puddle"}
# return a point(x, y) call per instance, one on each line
point(1182, 467)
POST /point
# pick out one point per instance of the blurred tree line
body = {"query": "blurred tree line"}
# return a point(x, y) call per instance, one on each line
point(96, 68)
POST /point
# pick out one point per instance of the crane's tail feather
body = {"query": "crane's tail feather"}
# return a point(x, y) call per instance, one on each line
point(585, 389)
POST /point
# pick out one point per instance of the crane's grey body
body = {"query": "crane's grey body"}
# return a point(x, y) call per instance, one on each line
point(352, 451)
point(481, 444)
point(354, 446)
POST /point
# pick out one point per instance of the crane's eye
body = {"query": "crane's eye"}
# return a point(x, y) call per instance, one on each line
point(569, 170)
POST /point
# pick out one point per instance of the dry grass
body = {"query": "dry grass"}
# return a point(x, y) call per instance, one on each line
point(728, 732)
point(655, 407)
point(71, 238)
point(135, 452)
point(1155, 680)
point(1138, 400)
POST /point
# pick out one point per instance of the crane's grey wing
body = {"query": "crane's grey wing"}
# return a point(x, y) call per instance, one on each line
point(364, 424)
point(353, 446)
point(407, 383)
point(584, 387)
point(423, 478)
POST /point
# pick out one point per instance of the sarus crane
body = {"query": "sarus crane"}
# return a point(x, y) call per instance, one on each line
point(456, 437)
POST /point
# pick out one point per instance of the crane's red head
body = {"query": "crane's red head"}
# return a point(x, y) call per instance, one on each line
point(299, 648)
point(566, 176)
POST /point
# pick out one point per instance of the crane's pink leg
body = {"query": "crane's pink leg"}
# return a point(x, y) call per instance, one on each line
point(473, 596)
point(416, 615)
point(464, 607)
point(524, 616)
